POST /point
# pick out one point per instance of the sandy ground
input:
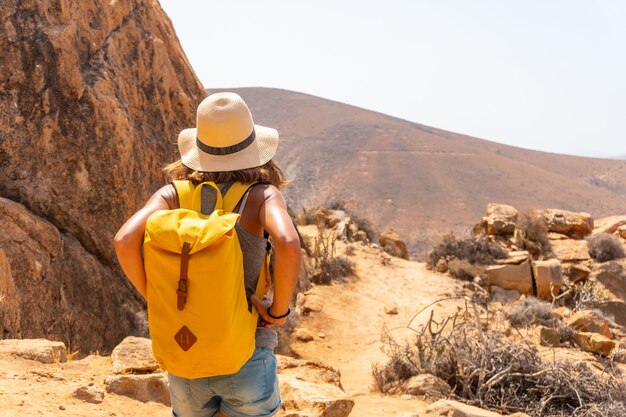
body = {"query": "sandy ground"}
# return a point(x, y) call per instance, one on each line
point(353, 318)
point(351, 322)
point(29, 388)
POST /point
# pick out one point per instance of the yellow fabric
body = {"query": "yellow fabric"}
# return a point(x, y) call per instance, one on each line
point(216, 310)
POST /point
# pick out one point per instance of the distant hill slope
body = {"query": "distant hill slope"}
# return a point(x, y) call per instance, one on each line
point(419, 180)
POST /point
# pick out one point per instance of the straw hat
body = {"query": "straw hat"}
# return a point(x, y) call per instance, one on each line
point(225, 137)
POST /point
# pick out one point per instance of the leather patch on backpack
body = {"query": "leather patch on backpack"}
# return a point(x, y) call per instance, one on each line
point(185, 338)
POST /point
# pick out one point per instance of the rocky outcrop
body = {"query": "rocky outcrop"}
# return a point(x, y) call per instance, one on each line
point(92, 95)
point(574, 225)
point(500, 219)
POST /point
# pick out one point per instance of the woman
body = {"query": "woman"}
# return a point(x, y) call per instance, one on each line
point(226, 147)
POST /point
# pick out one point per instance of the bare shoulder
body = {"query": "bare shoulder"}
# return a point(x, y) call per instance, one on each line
point(263, 193)
point(167, 193)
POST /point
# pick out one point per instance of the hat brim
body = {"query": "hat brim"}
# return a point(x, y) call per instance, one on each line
point(260, 151)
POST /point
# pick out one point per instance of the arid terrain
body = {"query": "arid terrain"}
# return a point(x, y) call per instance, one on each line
point(419, 180)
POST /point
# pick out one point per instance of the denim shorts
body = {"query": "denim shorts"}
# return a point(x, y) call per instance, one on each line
point(251, 392)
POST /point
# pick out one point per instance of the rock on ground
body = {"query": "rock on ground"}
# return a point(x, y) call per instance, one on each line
point(144, 388)
point(40, 350)
point(391, 243)
point(88, 393)
point(311, 389)
point(133, 355)
point(450, 408)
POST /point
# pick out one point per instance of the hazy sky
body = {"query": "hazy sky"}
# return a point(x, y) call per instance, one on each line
point(547, 75)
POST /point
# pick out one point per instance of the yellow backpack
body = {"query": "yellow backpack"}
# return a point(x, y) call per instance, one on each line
point(199, 317)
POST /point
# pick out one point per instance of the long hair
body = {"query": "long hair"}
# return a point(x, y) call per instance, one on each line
point(269, 173)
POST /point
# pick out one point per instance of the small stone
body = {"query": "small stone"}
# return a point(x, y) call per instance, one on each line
point(408, 397)
point(393, 309)
point(589, 321)
point(442, 266)
point(303, 335)
point(321, 335)
point(61, 407)
point(89, 394)
point(548, 336)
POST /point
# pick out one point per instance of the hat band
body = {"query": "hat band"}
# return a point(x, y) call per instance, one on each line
point(212, 150)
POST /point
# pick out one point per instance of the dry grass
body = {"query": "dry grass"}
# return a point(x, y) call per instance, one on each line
point(486, 369)
point(463, 269)
point(475, 250)
point(329, 267)
point(531, 234)
point(531, 311)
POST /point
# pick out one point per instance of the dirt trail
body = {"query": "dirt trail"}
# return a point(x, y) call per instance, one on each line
point(352, 319)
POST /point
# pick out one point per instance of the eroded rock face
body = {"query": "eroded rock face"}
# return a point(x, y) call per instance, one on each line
point(92, 96)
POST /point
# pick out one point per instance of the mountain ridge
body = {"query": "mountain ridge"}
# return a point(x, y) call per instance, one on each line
point(421, 181)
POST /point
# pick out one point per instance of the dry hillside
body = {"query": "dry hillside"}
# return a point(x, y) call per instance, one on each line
point(417, 179)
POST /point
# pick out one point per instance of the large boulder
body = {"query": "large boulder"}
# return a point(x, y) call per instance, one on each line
point(572, 224)
point(56, 289)
point(511, 277)
point(92, 96)
point(391, 243)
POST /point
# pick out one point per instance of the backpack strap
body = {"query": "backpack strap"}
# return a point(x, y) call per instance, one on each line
point(234, 194)
point(184, 191)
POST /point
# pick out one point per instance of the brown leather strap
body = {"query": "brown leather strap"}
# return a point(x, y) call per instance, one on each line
point(182, 282)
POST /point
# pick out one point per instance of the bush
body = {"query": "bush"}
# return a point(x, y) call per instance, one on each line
point(589, 295)
point(605, 247)
point(333, 269)
point(367, 226)
point(531, 311)
point(328, 266)
point(476, 250)
point(463, 269)
point(531, 234)
point(490, 371)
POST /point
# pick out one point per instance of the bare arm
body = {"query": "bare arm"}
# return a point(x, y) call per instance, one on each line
point(129, 240)
point(274, 218)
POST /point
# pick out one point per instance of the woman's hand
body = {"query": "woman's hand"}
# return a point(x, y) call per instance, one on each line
point(262, 306)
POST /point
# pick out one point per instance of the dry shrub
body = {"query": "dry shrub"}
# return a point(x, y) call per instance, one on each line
point(475, 250)
point(488, 370)
point(605, 247)
point(531, 234)
point(588, 295)
point(367, 226)
point(333, 269)
point(328, 266)
point(531, 311)
point(463, 269)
